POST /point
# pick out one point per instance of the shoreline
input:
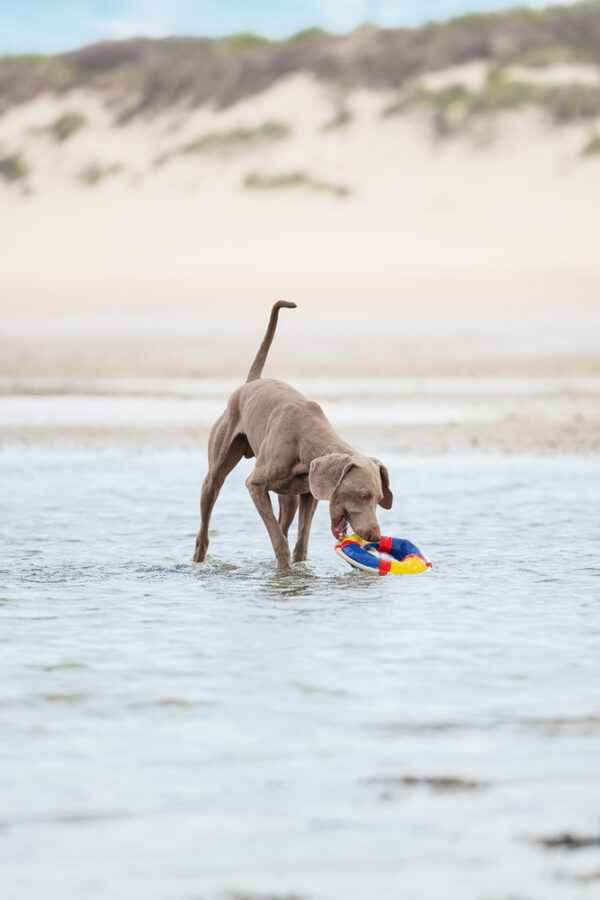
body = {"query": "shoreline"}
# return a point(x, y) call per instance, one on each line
point(434, 413)
point(512, 435)
point(25, 370)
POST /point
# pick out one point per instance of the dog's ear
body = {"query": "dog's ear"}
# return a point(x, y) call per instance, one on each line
point(388, 498)
point(326, 472)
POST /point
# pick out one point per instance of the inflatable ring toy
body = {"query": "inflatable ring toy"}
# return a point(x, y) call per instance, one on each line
point(406, 558)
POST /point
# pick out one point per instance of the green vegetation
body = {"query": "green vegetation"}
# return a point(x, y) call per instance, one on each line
point(592, 147)
point(66, 125)
point(564, 102)
point(219, 141)
point(143, 75)
point(571, 102)
point(499, 95)
point(344, 117)
point(95, 173)
point(24, 77)
point(450, 107)
point(307, 34)
point(555, 53)
point(453, 107)
point(244, 40)
point(13, 167)
point(257, 180)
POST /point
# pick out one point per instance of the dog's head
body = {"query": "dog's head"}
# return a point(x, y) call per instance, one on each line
point(354, 486)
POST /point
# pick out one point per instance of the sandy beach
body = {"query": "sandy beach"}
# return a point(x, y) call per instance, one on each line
point(475, 255)
point(430, 413)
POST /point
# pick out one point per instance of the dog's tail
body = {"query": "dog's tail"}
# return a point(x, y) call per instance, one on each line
point(261, 357)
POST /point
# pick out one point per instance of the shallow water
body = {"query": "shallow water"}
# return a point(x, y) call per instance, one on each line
point(119, 402)
point(171, 730)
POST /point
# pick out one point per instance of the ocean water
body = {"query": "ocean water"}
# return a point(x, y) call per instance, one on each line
point(172, 730)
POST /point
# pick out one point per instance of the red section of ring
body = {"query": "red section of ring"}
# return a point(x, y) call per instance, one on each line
point(345, 542)
point(385, 544)
point(384, 566)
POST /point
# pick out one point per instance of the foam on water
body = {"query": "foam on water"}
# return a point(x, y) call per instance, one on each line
point(175, 730)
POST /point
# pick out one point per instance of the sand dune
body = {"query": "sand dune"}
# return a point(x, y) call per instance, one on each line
point(510, 192)
point(146, 249)
point(465, 238)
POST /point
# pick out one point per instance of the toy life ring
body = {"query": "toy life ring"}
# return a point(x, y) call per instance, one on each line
point(406, 558)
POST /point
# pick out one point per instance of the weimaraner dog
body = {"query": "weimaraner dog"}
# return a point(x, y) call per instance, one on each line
point(298, 456)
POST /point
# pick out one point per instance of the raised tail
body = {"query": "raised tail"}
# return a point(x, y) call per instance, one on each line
point(261, 357)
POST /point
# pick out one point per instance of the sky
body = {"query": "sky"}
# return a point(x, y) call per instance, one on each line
point(49, 26)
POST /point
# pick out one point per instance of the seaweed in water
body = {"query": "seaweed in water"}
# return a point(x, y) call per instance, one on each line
point(569, 841)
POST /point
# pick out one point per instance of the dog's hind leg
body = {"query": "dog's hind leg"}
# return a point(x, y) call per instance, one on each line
point(288, 504)
point(224, 453)
point(308, 505)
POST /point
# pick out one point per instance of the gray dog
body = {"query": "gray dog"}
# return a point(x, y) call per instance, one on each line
point(298, 456)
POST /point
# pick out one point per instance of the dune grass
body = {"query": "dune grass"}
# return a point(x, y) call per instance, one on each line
point(553, 52)
point(342, 119)
point(236, 138)
point(244, 40)
point(93, 174)
point(572, 102)
point(152, 75)
point(455, 106)
point(441, 100)
point(308, 34)
point(297, 179)
point(66, 125)
point(14, 167)
point(592, 147)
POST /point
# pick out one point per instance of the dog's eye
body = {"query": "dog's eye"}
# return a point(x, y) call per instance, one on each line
point(364, 497)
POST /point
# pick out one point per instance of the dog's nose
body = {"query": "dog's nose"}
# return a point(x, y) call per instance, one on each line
point(374, 537)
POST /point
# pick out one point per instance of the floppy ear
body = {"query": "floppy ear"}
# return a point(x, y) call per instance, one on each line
point(326, 472)
point(388, 498)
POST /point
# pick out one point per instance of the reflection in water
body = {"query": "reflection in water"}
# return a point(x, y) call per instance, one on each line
point(195, 730)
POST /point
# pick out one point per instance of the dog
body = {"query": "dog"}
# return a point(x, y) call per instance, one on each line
point(298, 456)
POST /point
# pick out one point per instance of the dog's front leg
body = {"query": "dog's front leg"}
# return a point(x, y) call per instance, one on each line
point(262, 501)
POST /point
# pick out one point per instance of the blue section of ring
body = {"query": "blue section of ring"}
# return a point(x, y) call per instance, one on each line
point(360, 555)
point(400, 548)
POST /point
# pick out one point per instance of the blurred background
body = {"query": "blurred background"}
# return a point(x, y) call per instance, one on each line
point(425, 188)
point(423, 180)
